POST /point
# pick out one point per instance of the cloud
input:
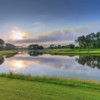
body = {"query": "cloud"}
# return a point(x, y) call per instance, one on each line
point(38, 27)
point(66, 35)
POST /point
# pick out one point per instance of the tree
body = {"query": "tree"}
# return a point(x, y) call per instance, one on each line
point(40, 47)
point(91, 40)
point(9, 46)
point(1, 44)
point(52, 46)
point(81, 41)
point(35, 47)
point(72, 46)
point(98, 39)
point(59, 46)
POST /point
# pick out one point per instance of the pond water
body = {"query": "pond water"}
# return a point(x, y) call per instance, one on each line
point(38, 64)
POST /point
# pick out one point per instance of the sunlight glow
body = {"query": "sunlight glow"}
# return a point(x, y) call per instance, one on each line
point(18, 35)
point(18, 64)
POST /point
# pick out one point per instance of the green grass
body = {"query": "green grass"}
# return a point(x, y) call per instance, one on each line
point(66, 51)
point(21, 87)
point(7, 52)
point(54, 80)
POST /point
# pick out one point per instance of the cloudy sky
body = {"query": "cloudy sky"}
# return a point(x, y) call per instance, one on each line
point(47, 21)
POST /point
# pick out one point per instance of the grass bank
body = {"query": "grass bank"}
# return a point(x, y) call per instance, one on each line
point(66, 51)
point(21, 87)
point(7, 52)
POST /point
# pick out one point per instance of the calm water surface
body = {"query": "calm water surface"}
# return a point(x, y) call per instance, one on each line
point(84, 67)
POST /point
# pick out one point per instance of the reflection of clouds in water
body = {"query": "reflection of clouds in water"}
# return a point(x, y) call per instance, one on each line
point(60, 66)
point(52, 62)
point(17, 64)
point(65, 63)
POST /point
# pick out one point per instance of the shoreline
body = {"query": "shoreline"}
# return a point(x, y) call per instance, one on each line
point(73, 82)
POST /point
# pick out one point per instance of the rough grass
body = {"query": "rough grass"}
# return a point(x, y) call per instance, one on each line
point(54, 80)
point(20, 87)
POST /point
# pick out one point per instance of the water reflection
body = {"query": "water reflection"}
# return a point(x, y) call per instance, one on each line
point(91, 61)
point(1, 60)
point(10, 55)
point(36, 63)
point(47, 60)
point(34, 53)
point(17, 64)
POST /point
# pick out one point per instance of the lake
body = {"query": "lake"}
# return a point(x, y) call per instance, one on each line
point(38, 64)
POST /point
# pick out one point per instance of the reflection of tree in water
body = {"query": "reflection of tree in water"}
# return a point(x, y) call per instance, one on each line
point(10, 55)
point(1, 60)
point(92, 61)
point(7, 56)
point(34, 53)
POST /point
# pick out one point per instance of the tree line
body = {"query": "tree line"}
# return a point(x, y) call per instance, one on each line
point(91, 40)
point(6, 46)
point(52, 46)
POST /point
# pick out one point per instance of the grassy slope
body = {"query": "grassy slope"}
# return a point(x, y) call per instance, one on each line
point(20, 87)
point(11, 89)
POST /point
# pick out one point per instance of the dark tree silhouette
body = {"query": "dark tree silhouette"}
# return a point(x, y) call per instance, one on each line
point(1, 42)
point(91, 61)
point(91, 40)
point(35, 47)
point(9, 46)
point(1, 60)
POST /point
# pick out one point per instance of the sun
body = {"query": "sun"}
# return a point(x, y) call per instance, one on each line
point(18, 35)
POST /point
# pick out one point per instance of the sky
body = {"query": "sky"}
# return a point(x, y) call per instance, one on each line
point(47, 21)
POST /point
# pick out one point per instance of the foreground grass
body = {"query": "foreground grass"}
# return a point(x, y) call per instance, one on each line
point(20, 87)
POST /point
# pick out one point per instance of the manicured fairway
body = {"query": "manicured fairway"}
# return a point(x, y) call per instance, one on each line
point(66, 51)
